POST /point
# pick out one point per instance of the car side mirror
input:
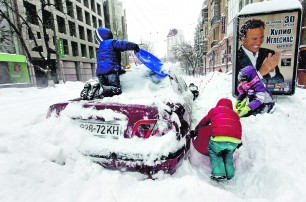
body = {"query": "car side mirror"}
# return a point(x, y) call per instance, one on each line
point(194, 89)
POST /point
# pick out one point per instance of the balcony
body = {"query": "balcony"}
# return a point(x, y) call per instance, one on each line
point(215, 19)
point(215, 42)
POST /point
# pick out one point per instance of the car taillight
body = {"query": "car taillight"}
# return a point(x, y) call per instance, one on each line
point(145, 128)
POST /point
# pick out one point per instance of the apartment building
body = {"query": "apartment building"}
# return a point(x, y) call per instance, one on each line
point(219, 48)
point(201, 38)
point(115, 20)
point(214, 33)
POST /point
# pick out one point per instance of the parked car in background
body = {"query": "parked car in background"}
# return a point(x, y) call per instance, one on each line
point(145, 129)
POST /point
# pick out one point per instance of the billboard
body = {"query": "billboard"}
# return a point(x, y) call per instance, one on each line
point(268, 41)
point(13, 69)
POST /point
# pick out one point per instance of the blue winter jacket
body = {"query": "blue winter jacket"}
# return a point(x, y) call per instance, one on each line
point(109, 52)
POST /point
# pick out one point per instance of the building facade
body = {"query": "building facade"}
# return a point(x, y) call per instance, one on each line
point(70, 25)
point(214, 32)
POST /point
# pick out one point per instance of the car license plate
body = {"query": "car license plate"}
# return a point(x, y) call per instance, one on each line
point(102, 129)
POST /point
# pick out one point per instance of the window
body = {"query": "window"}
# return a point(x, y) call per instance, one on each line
point(72, 29)
point(74, 47)
point(212, 8)
point(87, 18)
point(79, 14)
point(89, 35)
point(86, 3)
point(66, 49)
point(83, 50)
point(92, 4)
point(216, 34)
point(99, 9)
point(38, 35)
point(31, 13)
point(48, 19)
point(229, 53)
point(31, 35)
point(100, 23)
point(61, 25)
point(70, 11)
point(38, 49)
point(94, 21)
point(58, 5)
point(81, 32)
point(91, 52)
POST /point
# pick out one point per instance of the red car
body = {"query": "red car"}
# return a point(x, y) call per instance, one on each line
point(135, 132)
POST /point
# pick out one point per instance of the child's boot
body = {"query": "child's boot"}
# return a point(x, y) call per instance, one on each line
point(95, 89)
point(85, 91)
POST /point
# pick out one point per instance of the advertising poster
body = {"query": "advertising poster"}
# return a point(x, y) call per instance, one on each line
point(280, 38)
point(19, 72)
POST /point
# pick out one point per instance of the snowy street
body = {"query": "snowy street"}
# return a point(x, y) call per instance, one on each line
point(40, 161)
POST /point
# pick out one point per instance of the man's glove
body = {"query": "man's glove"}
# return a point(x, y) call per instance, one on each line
point(137, 48)
point(244, 111)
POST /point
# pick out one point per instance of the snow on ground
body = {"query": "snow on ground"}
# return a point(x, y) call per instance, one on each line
point(39, 160)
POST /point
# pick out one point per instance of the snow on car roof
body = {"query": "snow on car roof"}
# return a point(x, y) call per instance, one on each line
point(139, 86)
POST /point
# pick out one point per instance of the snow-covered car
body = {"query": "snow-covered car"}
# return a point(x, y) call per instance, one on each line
point(145, 129)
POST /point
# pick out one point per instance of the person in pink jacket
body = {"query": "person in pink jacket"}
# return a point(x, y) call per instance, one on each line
point(218, 134)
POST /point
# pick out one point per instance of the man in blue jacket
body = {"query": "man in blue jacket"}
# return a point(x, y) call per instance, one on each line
point(108, 65)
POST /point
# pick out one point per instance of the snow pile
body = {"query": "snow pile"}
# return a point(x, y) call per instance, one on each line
point(40, 160)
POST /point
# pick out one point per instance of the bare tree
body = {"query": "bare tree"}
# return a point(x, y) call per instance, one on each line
point(148, 46)
point(186, 54)
point(25, 23)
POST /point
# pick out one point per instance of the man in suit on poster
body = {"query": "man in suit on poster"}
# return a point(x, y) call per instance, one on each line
point(251, 54)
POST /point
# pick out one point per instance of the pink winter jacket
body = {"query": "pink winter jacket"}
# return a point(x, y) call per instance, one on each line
point(223, 120)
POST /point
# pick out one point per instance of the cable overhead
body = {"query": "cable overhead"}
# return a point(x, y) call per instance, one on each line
point(146, 18)
point(132, 11)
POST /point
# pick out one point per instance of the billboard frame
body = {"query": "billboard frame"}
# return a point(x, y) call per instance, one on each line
point(295, 50)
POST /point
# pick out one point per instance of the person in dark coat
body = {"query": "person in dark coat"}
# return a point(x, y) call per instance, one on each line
point(251, 54)
point(108, 65)
point(218, 134)
point(254, 97)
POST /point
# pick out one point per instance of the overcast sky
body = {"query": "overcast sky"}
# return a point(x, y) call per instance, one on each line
point(151, 20)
